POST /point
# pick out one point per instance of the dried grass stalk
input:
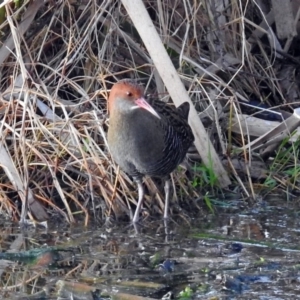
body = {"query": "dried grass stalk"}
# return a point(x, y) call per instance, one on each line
point(168, 73)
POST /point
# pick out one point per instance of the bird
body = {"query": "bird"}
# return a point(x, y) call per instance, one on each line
point(146, 136)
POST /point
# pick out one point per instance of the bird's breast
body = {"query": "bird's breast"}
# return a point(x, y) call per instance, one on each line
point(137, 141)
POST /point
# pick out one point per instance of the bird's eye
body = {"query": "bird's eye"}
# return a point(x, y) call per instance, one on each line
point(129, 94)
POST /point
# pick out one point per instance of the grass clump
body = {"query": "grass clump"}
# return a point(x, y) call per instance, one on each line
point(58, 62)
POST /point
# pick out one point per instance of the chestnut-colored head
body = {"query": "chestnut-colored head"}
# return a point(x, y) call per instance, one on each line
point(125, 89)
point(127, 95)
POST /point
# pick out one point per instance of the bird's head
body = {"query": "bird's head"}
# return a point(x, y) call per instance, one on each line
point(127, 95)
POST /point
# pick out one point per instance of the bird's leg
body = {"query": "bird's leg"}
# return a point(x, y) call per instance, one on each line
point(140, 201)
point(167, 196)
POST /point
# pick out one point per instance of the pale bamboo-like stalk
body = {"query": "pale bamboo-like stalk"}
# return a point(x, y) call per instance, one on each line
point(146, 29)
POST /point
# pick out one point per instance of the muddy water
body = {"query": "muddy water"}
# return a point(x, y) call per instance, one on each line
point(240, 252)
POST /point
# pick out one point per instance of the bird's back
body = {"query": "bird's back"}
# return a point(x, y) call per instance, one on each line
point(178, 136)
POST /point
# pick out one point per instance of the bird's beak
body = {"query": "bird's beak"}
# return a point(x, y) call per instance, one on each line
point(141, 102)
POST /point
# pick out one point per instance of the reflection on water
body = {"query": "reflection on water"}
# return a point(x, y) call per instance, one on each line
point(234, 254)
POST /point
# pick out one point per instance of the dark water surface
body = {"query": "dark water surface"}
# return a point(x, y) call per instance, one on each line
point(236, 253)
